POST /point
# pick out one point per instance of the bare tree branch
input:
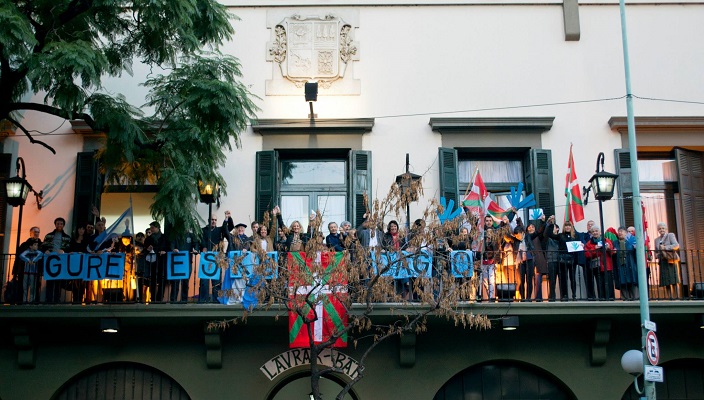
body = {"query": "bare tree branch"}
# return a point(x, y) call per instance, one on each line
point(31, 139)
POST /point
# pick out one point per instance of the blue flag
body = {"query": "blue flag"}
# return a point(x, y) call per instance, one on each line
point(121, 226)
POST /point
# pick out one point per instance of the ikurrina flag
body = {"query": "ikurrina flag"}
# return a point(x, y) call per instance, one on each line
point(575, 210)
point(475, 199)
point(323, 282)
point(495, 211)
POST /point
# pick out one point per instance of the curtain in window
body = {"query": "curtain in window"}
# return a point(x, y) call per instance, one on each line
point(295, 208)
point(333, 210)
point(655, 211)
point(505, 171)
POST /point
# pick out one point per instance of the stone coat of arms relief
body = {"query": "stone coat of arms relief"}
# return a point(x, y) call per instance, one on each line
point(312, 47)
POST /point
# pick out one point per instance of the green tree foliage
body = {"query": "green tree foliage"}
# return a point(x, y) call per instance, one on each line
point(63, 49)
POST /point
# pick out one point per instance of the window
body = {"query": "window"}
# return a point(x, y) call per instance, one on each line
point(493, 171)
point(499, 176)
point(329, 172)
point(311, 185)
point(500, 171)
point(303, 181)
point(672, 191)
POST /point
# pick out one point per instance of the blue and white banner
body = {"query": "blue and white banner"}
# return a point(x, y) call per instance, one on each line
point(208, 268)
point(121, 227)
point(462, 263)
point(402, 264)
point(250, 262)
point(178, 265)
point(87, 267)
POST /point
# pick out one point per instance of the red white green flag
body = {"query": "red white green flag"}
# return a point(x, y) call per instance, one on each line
point(496, 212)
point(320, 281)
point(575, 208)
point(475, 198)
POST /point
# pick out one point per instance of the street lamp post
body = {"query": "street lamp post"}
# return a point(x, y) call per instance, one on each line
point(602, 184)
point(407, 182)
point(16, 191)
point(208, 193)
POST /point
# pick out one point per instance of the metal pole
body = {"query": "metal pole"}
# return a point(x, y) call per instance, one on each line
point(648, 387)
point(19, 230)
point(602, 281)
point(409, 182)
point(210, 216)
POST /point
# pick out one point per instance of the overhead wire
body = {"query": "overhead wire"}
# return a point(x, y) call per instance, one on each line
point(482, 109)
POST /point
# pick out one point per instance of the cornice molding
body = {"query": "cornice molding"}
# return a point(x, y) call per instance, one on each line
point(350, 126)
point(658, 124)
point(81, 127)
point(481, 125)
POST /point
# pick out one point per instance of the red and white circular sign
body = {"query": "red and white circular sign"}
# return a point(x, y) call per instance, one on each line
point(652, 348)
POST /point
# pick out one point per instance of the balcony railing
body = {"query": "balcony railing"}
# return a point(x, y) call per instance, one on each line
point(567, 278)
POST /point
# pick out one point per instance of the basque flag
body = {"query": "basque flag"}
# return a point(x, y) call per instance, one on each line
point(322, 282)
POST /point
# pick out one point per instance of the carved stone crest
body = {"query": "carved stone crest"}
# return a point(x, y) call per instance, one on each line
point(312, 48)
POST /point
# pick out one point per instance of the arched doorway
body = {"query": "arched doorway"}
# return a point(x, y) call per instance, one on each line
point(121, 380)
point(297, 386)
point(684, 380)
point(499, 380)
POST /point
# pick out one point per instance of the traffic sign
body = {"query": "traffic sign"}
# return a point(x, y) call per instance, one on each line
point(652, 348)
point(653, 374)
point(650, 325)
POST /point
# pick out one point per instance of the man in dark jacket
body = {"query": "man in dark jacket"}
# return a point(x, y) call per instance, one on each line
point(188, 244)
point(155, 247)
point(56, 241)
point(212, 240)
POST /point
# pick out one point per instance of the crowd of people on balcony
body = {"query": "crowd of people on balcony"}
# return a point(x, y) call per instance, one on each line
point(509, 256)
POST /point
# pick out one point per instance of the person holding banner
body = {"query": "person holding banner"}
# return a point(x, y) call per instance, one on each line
point(155, 247)
point(59, 242)
point(567, 260)
point(189, 245)
point(212, 240)
point(394, 242)
point(78, 245)
point(31, 258)
point(18, 265)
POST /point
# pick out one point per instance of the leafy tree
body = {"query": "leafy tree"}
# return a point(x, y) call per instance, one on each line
point(359, 285)
point(63, 49)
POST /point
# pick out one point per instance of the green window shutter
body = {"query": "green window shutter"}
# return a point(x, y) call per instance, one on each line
point(266, 184)
point(5, 171)
point(625, 188)
point(690, 166)
point(88, 188)
point(360, 184)
point(447, 160)
point(539, 179)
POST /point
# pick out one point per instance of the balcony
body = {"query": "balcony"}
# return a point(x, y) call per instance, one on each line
point(562, 282)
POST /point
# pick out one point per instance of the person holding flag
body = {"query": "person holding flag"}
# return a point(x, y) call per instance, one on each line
point(575, 208)
point(476, 196)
